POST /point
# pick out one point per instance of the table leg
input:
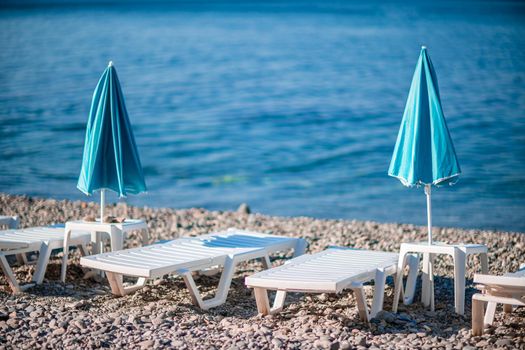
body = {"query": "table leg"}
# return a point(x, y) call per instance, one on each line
point(398, 285)
point(95, 239)
point(117, 243)
point(425, 280)
point(484, 263)
point(431, 283)
point(117, 240)
point(145, 237)
point(460, 263)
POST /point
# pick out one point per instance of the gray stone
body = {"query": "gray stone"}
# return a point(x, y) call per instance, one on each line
point(244, 209)
point(504, 342)
point(59, 331)
point(146, 344)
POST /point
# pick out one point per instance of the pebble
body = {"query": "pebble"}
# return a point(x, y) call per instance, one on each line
point(84, 314)
point(59, 331)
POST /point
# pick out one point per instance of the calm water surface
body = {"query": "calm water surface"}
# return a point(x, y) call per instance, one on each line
point(292, 107)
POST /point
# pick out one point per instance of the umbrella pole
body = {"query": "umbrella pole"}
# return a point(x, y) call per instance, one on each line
point(429, 213)
point(102, 204)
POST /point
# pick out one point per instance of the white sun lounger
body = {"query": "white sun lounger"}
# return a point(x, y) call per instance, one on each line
point(508, 290)
point(330, 271)
point(184, 255)
point(12, 222)
point(41, 239)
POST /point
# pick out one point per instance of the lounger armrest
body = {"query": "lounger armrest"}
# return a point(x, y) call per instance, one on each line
point(507, 281)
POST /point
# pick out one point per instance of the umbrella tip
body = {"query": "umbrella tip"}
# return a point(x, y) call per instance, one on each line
point(110, 64)
point(423, 47)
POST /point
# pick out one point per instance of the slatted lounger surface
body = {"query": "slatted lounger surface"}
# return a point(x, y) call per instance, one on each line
point(330, 271)
point(41, 239)
point(508, 290)
point(184, 255)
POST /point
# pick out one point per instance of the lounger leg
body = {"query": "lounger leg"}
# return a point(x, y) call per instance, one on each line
point(193, 289)
point(477, 317)
point(67, 236)
point(83, 250)
point(43, 260)
point(115, 282)
point(141, 282)
point(222, 289)
point(4, 265)
point(490, 312)
point(266, 262)
point(379, 292)
point(117, 287)
point(278, 303)
point(361, 303)
point(21, 259)
point(459, 280)
point(507, 308)
point(261, 298)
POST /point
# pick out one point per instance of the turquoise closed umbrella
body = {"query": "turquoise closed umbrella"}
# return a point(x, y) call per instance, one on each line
point(424, 154)
point(111, 160)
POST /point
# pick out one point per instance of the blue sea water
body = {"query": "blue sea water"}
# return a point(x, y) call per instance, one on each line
point(290, 106)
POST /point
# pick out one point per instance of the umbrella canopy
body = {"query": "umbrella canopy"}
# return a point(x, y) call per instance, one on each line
point(111, 160)
point(424, 153)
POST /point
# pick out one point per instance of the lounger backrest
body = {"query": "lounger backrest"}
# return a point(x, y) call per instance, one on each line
point(235, 238)
point(510, 280)
point(33, 234)
point(159, 259)
point(332, 268)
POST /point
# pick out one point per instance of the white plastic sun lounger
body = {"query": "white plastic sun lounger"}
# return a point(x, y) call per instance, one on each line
point(41, 239)
point(330, 271)
point(12, 222)
point(184, 255)
point(508, 290)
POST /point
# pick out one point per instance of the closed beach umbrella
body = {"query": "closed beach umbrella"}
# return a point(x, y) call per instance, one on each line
point(424, 154)
point(111, 160)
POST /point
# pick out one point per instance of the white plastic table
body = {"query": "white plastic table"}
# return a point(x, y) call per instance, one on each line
point(459, 253)
point(102, 230)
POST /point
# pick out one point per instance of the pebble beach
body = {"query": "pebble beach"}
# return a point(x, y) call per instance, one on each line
point(82, 313)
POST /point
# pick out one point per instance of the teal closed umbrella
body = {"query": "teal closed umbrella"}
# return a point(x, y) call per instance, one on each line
point(111, 160)
point(424, 154)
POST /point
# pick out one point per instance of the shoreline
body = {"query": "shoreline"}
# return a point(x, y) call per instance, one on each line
point(92, 205)
point(84, 313)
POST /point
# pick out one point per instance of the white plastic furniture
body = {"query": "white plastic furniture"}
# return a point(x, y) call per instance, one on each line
point(459, 253)
point(330, 271)
point(11, 222)
point(115, 232)
point(508, 290)
point(41, 239)
point(184, 255)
